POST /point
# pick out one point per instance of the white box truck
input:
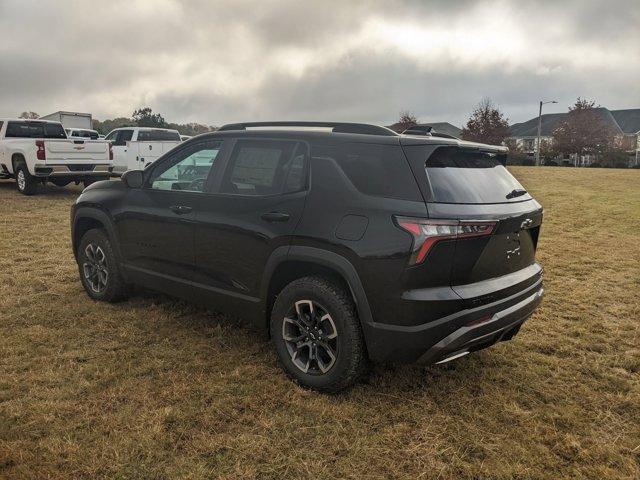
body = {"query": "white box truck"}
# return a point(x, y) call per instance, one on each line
point(70, 119)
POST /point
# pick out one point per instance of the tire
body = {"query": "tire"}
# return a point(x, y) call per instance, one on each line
point(26, 183)
point(290, 318)
point(98, 268)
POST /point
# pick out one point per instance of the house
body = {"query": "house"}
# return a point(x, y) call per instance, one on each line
point(438, 127)
point(625, 124)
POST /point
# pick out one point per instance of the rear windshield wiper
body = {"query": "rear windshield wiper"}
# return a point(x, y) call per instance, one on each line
point(518, 192)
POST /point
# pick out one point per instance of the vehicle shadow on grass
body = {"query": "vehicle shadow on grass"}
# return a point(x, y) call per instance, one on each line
point(458, 378)
point(46, 190)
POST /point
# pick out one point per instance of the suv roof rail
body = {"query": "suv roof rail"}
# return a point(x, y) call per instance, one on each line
point(337, 127)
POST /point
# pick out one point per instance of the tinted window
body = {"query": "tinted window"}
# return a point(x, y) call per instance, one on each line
point(187, 170)
point(112, 136)
point(158, 136)
point(122, 137)
point(35, 130)
point(262, 167)
point(462, 176)
point(85, 134)
point(379, 170)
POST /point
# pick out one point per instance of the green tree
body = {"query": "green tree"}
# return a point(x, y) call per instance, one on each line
point(192, 128)
point(29, 115)
point(105, 126)
point(486, 124)
point(144, 117)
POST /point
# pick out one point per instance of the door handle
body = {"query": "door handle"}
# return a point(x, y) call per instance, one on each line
point(180, 209)
point(275, 217)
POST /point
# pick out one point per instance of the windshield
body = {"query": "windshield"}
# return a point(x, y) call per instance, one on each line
point(158, 135)
point(35, 129)
point(466, 176)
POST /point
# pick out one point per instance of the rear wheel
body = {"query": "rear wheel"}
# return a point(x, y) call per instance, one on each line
point(317, 335)
point(99, 270)
point(26, 183)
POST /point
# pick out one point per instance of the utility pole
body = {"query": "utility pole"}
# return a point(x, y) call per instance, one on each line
point(540, 130)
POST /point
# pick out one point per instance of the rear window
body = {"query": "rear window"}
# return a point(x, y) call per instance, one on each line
point(158, 136)
point(93, 135)
point(463, 176)
point(34, 130)
point(378, 170)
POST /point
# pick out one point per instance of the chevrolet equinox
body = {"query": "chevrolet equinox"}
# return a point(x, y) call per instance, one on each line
point(346, 242)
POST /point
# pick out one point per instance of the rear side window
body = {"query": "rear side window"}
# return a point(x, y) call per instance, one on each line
point(35, 130)
point(466, 176)
point(265, 167)
point(378, 170)
point(158, 136)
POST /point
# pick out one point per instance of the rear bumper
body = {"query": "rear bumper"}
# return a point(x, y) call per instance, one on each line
point(75, 170)
point(466, 330)
point(502, 325)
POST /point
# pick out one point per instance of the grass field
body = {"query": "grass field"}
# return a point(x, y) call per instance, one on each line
point(155, 388)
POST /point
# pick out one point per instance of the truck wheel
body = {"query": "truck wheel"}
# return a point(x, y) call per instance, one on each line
point(99, 270)
point(317, 335)
point(27, 184)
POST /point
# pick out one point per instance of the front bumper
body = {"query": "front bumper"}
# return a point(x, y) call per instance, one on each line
point(454, 335)
point(73, 170)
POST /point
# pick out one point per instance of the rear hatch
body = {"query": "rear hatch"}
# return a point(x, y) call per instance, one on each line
point(76, 151)
point(498, 222)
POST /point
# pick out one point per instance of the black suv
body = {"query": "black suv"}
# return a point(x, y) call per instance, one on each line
point(346, 242)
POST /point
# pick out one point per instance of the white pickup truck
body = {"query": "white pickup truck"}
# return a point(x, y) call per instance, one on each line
point(36, 151)
point(135, 148)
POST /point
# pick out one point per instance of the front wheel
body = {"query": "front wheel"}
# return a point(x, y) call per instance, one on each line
point(99, 270)
point(317, 335)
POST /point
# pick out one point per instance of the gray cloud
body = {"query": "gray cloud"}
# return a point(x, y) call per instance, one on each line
point(218, 62)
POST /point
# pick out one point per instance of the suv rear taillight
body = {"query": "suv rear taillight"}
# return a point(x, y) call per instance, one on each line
point(110, 152)
point(426, 233)
point(40, 154)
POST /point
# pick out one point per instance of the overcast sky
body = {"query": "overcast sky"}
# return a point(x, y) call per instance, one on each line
point(217, 62)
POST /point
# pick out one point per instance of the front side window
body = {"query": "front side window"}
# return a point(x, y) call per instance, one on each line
point(124, 136)
point(265, 167)
point(188, 170)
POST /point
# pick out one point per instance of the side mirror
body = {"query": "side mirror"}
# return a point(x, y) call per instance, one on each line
point(133, 178)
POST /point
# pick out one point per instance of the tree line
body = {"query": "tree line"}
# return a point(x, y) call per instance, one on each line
point(582, 132)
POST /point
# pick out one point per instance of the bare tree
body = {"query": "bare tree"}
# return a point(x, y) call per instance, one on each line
point(487, 124)
point(583, 131)
point(29, 115)
point(406, 120)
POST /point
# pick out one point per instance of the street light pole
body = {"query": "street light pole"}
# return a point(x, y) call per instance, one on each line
point(540, 131)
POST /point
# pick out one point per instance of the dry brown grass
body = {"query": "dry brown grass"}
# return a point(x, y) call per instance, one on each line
point(154, 388)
